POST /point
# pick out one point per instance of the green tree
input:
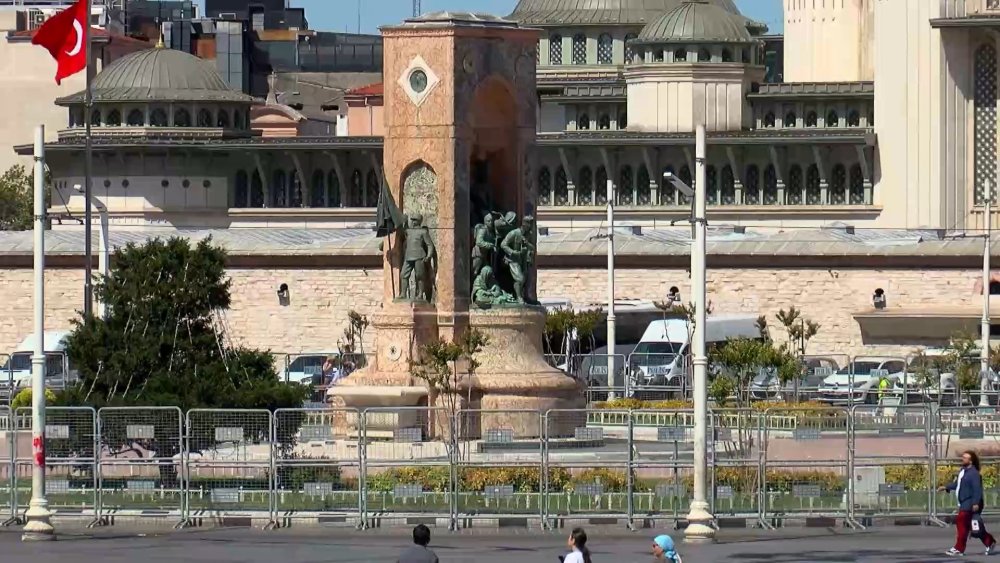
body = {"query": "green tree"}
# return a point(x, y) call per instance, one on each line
point(798, 328)
point(16, 199)
point(739, 360)
point(160, 343)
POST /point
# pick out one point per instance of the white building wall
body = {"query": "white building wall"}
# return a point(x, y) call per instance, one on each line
point(829, 40)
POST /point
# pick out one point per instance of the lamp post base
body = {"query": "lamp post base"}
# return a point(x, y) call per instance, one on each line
point(699, 528)
point(39, 523)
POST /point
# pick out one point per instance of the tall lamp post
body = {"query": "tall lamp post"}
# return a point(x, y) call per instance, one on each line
point(39, 519)
point(984, 352)
point(700, 519)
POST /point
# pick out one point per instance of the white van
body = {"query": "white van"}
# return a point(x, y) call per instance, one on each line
point(662, 355)
point(16, 372)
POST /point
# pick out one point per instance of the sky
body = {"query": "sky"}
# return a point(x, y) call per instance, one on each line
point(342, 15)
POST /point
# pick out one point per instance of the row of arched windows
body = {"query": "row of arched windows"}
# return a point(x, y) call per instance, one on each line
point(812, 119)
point(845, 187)
point(161, 117)
point(578, 52)
point(584, 123)
point(285, 189)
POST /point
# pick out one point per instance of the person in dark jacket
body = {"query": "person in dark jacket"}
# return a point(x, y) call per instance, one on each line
point(968, 488)
point(418, 552)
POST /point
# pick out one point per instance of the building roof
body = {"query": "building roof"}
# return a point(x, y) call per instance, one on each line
point(598, 12)
point(755, 137)
point(73, 144)
point(696, 21)
point(815, 90)
point(376, 89)
point(451, 17)
point(160, 74)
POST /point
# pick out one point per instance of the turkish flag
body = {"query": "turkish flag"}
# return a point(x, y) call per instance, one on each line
point(64, 35)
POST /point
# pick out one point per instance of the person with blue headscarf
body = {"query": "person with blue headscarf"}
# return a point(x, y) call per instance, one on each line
point(663, 549)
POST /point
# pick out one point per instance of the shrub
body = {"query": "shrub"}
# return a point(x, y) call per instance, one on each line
point(23, 399)
point(678, 404)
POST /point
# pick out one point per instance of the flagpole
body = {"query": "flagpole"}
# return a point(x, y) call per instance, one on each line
point(88, 102)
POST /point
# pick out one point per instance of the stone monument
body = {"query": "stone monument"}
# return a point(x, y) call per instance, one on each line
point(460, 118)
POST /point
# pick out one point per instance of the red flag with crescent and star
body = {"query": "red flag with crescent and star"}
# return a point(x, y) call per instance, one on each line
point(64, 35)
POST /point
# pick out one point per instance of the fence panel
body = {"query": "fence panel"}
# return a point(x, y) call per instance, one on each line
point(586, 467)
point(806, 465)
point(228, 463)
point(814, 370)
point(317, 466)
point(140, 452)
point(957, 429)
point(70, 459)
point(407, 467)
point(7, 387)
point(498, 472)
point(662, 463)
point(891, 450)
point(593, 370)
point(8, 506)
point(655, 377)
point(734, 458)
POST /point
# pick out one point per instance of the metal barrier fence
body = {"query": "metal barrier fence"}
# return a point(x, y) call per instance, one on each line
point(470, 467)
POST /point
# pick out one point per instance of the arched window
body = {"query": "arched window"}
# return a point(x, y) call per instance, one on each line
point(658, 56)
point(854, 119)
point(812, 186)
point(256, 191)
point(238, 119)
point(727, 56)
point(357, 196)
point(790, 120)
point(605, 49)
point(371, 189)
point(562, 187)
point(317, 190)
point(604, 122)
point(769, 120)
point(583, 122)
point(770, 185)
point(811, 119)
point(601, 186)
point(793, 192)
point(711, 185)
point(95, 118)
point(204, 118)
point(136, 118)
point(745, 56)
point(985, 112)
point(832, 119)
point(629, 49)
point(295, 192)
point(728, 195)
point(182, 118)
point(857, 195)
point(751, 188)
point(623, 120)
point(76, 117)
point(114, 118)
point(544, 186)
point(871, 118)
point(585, 188)
point(333, 190)
point(223, 119)
point(158, 118)
point(668, 194)
point(685, 175)
point(625, 186)
point(555, 49)
point(279, 189)
point(241, 190)
point(680, 55)
point(704, 56)
point(579, 49)
point(838, 185)
point(643, 195)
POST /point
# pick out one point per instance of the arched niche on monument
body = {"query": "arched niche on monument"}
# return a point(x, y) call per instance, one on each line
point(420, 197)
point(495, 184)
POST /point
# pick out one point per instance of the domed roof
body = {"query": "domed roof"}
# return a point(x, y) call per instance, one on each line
point(696, 21)
point(160, 74)
point(595, 12)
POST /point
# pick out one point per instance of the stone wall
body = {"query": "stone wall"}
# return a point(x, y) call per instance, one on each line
point(320, 298)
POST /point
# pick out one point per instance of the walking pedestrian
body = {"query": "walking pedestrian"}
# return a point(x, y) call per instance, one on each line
point(577, 543)
point(663, 549)
point(968, 487)
point(418, 552)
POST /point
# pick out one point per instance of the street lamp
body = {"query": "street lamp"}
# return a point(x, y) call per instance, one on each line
point(700, 519)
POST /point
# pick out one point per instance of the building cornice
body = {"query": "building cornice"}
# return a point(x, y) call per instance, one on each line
point(755, 137)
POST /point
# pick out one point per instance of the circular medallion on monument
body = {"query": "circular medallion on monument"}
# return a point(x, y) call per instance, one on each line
point(418, 80)
point(469, 64)
point(394, 353)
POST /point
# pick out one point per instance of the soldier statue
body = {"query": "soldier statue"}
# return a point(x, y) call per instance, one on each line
point(519, 250)
point(419, 255)
point(486, 291)
point(485, 245)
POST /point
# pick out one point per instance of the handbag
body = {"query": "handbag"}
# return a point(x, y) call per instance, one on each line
point(978, 527)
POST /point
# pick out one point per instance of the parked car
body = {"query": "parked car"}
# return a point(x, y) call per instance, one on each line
point(943, 389)
point(858, 381)
point(814, 370)
point(307, 368)
point(15, 374)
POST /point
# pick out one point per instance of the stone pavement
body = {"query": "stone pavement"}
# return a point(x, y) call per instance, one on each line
point(116, 545)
